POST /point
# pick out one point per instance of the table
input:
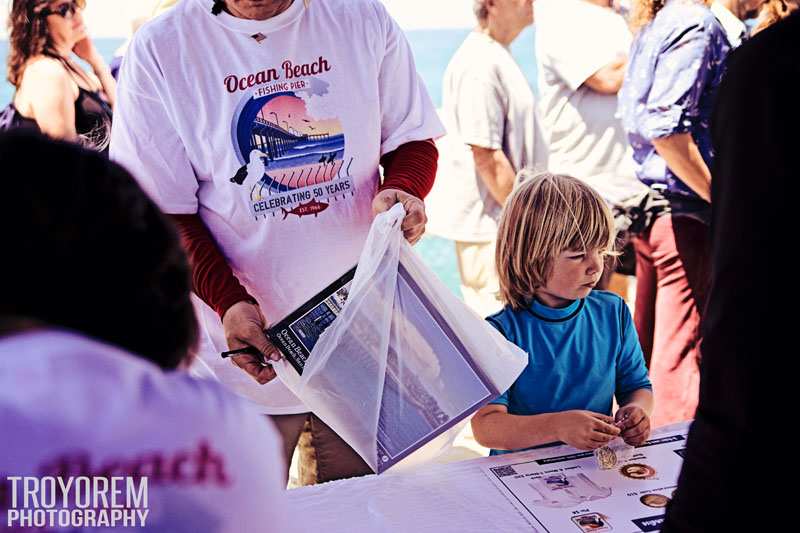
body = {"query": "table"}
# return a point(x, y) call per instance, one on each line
point(463, 497)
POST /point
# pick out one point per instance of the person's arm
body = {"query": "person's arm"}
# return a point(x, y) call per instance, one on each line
point(86, 50)
point(609, 78)
point(681, 74)
point(479, 105)
point(215, 283)
point(582, 48)
point(409, 172)
point(411, 168)
point(50, 91)
point(632, 386)
point(212, 279)
point(683, 158)
point(495, 171)
point(642, 398)
point(494, 427)
point(481, 120)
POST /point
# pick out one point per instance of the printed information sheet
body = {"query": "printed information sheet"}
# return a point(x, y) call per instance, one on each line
point(571, 492)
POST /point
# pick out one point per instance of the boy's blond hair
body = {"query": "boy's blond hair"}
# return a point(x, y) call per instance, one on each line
point(545, 216)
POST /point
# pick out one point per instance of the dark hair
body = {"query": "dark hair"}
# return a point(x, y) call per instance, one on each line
point(28, 37)
point(85, 249)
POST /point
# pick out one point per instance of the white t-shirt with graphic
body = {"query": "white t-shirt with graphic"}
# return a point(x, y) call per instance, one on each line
point(575, 39)
point(71, 406)
point(271, 130)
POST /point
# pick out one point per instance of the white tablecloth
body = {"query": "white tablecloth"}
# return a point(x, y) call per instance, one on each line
point(434, 498)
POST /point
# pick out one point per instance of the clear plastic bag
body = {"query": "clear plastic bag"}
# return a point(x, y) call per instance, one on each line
point(613, 454)
point(385, 372)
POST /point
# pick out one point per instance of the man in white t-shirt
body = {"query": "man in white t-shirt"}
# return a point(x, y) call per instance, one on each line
point(260, 127)
point(95, 314)
point(493, 133)
point(582, 48)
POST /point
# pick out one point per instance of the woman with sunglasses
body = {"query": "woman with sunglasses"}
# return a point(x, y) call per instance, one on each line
point(53, 93)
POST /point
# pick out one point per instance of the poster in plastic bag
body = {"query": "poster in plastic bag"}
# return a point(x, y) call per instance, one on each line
point(389, 357)
point(414, 409)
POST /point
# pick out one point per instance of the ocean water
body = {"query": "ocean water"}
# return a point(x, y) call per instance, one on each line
point(432, 51)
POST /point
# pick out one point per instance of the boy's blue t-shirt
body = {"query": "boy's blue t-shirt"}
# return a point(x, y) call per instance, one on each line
point(579, 356)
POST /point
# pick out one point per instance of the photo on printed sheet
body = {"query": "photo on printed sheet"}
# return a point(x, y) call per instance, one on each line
point(432, 382)
point(592, 522)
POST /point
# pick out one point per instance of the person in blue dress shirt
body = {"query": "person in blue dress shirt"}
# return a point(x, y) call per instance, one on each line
point(677, 62)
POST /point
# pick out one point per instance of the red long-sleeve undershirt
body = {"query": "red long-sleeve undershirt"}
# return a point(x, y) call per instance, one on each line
point(410, 168)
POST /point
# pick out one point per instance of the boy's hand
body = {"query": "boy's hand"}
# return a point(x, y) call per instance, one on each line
point(585, 430)
point(634, 423)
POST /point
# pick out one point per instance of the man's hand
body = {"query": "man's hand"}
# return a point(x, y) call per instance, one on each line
point(585, 430)
point(414, 222)
point(244, 326)
point(634, 423)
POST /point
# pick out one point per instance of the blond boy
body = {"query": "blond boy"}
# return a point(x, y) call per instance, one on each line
point(582, 346)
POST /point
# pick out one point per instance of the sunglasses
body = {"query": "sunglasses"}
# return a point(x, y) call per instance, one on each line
point(65, 10)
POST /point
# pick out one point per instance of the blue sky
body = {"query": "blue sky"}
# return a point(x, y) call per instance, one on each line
point(112, 18)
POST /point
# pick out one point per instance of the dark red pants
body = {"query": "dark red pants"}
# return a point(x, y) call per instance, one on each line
point(673, 272)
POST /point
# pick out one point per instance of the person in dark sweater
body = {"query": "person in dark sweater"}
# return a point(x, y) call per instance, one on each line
point(756, 140)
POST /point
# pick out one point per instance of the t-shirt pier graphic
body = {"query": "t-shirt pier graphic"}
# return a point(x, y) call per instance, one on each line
point(296, 162)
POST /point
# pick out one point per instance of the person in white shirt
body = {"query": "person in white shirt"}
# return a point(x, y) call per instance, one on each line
point(259, 127)
point(493, 133)
point(582, 48)
point(94, 317)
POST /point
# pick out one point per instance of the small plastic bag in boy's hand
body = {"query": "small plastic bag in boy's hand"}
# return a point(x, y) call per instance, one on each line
point(612, 454)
